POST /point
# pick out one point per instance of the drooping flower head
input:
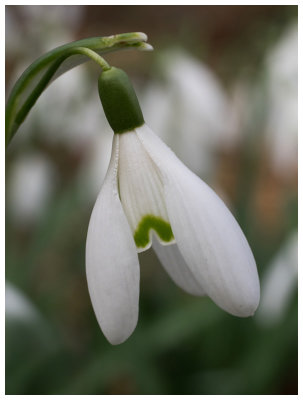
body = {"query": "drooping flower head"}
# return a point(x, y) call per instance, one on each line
point(150, 198)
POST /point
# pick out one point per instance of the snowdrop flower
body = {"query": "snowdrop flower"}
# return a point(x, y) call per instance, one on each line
point(18, 307)
point(282, 86)
point(150, 198)
point(34, 175)
point(279, 283)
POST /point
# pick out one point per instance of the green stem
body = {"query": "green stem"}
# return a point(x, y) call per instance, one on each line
point(18, 107)
point(93, 55)
point(32, 98)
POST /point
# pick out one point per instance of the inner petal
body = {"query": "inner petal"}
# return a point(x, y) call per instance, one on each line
point(142, 194)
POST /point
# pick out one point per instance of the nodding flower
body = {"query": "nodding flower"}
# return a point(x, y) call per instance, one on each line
point(150, 198)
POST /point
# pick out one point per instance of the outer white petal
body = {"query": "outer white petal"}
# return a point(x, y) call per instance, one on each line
point(176, 267)
point(208, 236)
point(112, 264)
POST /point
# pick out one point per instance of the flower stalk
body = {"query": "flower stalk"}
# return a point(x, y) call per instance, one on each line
point(53, 64)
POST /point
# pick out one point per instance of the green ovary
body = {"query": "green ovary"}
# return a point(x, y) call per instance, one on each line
point(148, 222)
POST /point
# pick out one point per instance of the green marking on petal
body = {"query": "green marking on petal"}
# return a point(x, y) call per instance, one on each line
point(148, 222)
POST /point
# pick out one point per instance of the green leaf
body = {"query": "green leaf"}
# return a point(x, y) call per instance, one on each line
point(51, 65)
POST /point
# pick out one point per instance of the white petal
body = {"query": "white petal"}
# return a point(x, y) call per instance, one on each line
point(208, 236)
point(141, 190)
point(174, 264)
point(112, 264)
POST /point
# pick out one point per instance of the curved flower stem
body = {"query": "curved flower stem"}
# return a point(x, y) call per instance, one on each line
point(26, 90)
point(94, 56)
point(32, 98)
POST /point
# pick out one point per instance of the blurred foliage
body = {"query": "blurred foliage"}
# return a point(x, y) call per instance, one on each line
point(182, 344)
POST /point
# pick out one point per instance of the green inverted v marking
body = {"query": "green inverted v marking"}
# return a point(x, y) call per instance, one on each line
point(148, 222)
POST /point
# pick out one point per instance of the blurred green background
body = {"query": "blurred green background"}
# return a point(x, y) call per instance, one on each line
point(221, 90)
